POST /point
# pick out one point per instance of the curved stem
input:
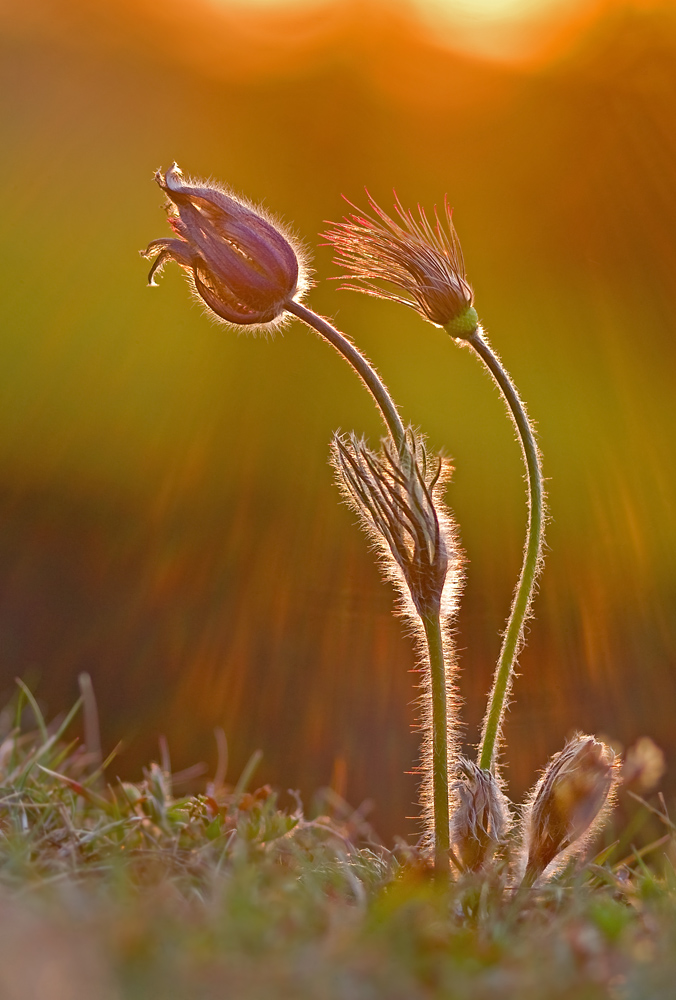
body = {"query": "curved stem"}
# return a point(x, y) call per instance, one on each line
point(355, 358)
point(438, 779)
point(532, 561)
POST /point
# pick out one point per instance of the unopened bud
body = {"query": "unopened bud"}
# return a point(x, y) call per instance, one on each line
point(398, 499)
point(569, 802)
point(481, 820)
point(240, 264)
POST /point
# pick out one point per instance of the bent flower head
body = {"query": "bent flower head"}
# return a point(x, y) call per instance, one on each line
point(413, 256)
point(244, 268)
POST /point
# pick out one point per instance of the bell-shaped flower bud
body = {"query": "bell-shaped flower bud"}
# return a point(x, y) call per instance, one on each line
point(481, 818)
point(569, 803)
point(241, 265)
point(420, 259)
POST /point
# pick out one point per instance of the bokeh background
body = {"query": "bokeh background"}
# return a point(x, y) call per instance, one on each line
point(168, 518)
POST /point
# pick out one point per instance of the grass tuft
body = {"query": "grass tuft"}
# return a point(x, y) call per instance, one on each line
point(126, 891)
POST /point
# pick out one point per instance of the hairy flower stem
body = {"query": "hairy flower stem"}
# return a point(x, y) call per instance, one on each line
point(440, 731)
point(355, 358)
point(532, 561)
point(440, 721)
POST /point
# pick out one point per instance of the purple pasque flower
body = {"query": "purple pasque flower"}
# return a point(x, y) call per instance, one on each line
point(242, 266)
point(413, 256)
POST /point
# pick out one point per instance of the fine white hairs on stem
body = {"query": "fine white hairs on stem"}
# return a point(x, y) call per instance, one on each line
point(569, 804)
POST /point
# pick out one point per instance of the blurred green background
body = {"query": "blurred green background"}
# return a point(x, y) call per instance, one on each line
point(168, 518)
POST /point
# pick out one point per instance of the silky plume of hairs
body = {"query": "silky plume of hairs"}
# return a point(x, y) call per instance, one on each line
point(568, 805)
point(397, 495)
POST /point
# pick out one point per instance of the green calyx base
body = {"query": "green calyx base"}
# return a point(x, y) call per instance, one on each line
point(464, 325)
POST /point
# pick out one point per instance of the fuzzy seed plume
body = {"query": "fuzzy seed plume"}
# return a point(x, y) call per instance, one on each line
point(413, 261)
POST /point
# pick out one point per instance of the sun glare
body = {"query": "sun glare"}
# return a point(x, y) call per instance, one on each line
point(502, 29)
point(494, 29)
point(482, 9)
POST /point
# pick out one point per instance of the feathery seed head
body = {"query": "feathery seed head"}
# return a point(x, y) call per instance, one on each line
point(481, 819)
point(397, 496)
point(569, 802)
point(420, 259)
point(240, 264)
